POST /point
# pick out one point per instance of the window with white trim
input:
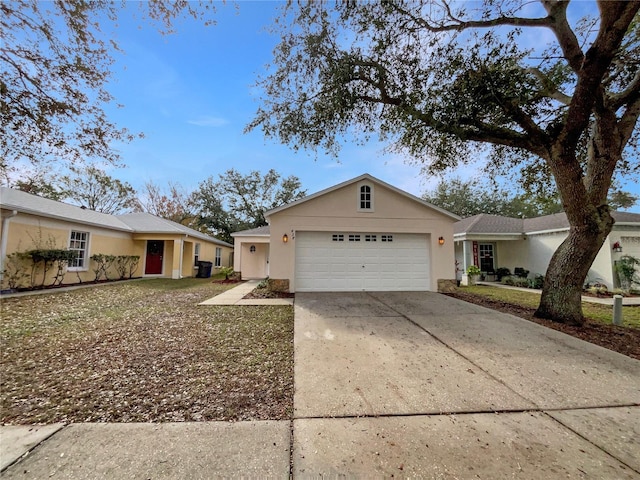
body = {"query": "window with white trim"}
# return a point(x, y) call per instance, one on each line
point(366, 197)
point(218, 257)
point(370, 238)
point(337, 237)
point(196, 253)
point(79, 243)
point(386, 238)
point(354, 238)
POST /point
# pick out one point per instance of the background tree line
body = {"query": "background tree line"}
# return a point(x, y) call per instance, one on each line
point(217, 207)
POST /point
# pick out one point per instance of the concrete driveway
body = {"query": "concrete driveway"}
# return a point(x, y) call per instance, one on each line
point(423, 385)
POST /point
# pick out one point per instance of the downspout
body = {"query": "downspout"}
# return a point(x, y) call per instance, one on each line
point(5, 234)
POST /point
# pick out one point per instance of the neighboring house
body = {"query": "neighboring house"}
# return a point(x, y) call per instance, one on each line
point(492, 241)
point(166, 249)
point(360, 235)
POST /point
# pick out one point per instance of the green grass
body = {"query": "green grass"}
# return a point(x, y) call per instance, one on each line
point(594, 311)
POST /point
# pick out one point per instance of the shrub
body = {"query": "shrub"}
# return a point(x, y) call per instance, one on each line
point(536, 282)
point(126, 265)
point(502, 272)
point(226, 271)
point(103, 263)
point(47, 258)
point(516, 281)
point(473, 270)
point(626, 269)
point(15, 271)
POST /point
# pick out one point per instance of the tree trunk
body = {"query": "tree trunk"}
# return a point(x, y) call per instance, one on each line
point(561, 295)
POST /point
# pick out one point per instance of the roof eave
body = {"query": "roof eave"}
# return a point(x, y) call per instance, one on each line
point(38, 213)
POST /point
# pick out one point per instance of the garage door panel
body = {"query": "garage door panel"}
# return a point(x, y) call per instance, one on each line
point(325, 265)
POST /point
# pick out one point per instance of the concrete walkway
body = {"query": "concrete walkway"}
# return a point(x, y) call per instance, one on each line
point(626, 301)
point(403, 385)
point(235, 296)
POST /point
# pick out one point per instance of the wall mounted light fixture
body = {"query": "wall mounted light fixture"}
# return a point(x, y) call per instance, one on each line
point(617, 247)
point(441, 240)
point(285, 238)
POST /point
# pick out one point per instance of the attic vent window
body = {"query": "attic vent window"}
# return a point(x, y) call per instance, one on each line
point(366, 197)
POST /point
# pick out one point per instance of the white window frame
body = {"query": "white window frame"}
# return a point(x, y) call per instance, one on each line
point(362, 197)
point(196, 253)
point(218, 259)
point(84, 249)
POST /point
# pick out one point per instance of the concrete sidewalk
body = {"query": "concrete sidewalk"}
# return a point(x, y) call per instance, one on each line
point(159, 451)
point(235, 296)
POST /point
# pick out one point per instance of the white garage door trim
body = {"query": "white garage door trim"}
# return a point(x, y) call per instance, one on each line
point(356, 261)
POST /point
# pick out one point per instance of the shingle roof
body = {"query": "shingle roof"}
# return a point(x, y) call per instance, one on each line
point(557, 221)
point(23, 202)
point(253, 232)
point(143, 222)
point(485, 223)
point(26, 203)
point(496, 224)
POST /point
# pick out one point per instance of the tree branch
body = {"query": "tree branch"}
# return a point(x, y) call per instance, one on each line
point(459, 25)
point(617, 100)
point(548, 88)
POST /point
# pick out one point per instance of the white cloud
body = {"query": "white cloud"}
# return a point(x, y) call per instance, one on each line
point(208, 121)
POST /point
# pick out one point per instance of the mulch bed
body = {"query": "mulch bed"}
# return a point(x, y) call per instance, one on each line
point(266, 293)
point(623, 340)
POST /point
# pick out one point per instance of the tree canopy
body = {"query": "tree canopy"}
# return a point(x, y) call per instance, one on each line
point(438, 80)
point(237, 202)
point(93, 188)
point(55, 60)
point(468, 198)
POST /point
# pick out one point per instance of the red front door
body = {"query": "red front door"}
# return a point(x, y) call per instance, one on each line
point(155, 250)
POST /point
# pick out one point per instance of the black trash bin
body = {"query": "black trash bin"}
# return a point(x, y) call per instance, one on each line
point(204, 269)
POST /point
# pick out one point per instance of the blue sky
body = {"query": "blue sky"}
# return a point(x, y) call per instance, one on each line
point(191, 94)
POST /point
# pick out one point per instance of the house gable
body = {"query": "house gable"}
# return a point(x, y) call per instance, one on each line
point(344, 200)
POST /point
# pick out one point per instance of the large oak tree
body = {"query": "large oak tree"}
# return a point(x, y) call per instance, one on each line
point(56, 60)
point(437, 78)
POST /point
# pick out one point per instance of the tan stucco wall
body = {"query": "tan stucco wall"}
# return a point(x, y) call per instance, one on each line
point(28, 232)
point(248, 264)
point(338, 211)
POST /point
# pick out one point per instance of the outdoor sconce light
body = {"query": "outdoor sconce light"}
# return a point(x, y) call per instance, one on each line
point(441, 240)
point(617, 247)
point(285, 238)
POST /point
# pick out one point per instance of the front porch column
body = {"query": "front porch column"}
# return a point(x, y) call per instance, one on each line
point(466, 245)
point(176, 272)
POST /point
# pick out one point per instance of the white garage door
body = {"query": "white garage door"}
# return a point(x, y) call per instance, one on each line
point(351, 262)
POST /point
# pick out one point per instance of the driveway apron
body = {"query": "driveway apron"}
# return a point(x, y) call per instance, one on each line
point(423, 385)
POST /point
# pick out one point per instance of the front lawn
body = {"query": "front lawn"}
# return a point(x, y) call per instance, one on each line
point(594, 311)
point(143, 351)
point(597, 329)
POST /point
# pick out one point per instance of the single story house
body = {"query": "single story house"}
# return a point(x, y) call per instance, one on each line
point(493, 241)
point(360, 235)
point(166, 249)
